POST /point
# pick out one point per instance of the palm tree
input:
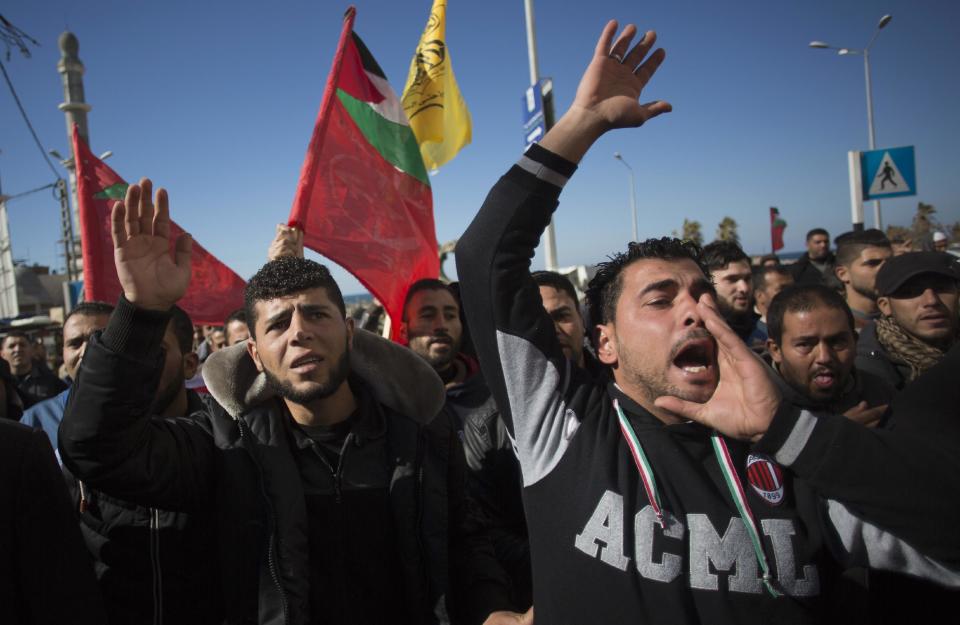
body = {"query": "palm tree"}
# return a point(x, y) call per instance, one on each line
point(691, 231)
point(727, 231)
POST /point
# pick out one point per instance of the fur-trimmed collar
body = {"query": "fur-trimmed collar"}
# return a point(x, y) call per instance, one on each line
point(398, 378)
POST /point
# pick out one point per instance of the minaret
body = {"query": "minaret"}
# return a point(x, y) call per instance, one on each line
point(75, 109)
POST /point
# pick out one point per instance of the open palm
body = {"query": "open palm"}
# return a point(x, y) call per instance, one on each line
point(151, 277)
point(616, 76)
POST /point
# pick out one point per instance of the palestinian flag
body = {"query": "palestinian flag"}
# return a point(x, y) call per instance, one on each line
point(364, 199)
point(777, 226)
point(215, 290)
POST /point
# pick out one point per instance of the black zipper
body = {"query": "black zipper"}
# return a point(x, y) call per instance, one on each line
point(420, 506)
point(271, 553)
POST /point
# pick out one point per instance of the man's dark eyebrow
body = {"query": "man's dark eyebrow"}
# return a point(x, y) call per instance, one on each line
point(662, 285)
point(286, 312)
point(814, 337)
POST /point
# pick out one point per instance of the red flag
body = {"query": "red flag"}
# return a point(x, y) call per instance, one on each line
point(215, 290)
point(364, 198)
point(777, 226)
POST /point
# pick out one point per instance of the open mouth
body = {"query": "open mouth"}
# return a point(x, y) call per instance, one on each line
point(306, 361)
point(696, 356)
point(824, 378)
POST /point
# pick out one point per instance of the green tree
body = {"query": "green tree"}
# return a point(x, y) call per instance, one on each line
point(727, 230)
point(923, 220)
point(691, 231)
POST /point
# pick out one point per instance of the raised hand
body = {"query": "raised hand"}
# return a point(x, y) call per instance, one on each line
point(287, 242)
point(609, 92)
point(151, 278)
point(746, 398)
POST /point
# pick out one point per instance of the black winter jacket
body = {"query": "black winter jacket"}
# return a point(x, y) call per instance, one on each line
point(233, 466)
point(145, 558)
point(872, 357)
point(46, 576)
point(805, 273)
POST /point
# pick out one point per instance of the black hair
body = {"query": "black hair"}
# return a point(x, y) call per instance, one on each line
point(182, 329)
point(719, 254)
point(851, 244)
point(427, 284)
point(15, 334)
point(558, 282)
point(605, 287)
point(89, 309)
point(817, 231)
point(803, 298)
point(766, 257)
point(238, 315)
point(286, 276)
point(760, 279)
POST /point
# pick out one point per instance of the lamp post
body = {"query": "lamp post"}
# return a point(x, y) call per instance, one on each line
point(865, 52)
point(633, 192)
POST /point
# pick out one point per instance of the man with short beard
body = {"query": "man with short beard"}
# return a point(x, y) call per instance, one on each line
point(860, 254)
point(682, 489)
point(813, 345)
point(730, 271)
point(816, 266)
point(917, 298)
point(330, 498)
point(433, 330)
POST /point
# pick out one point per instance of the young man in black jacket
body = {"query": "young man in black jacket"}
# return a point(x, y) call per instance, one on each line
point(330, 504)
point(664, 496)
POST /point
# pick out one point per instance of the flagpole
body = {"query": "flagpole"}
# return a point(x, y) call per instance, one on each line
point(549, 237)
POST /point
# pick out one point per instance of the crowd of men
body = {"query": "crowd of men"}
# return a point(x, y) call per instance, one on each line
point(694, 439)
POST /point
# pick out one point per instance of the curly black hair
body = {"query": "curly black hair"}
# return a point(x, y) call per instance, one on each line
point(605, 287)
point(286, 276)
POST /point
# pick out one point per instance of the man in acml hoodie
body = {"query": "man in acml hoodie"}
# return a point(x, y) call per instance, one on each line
point(663, 496)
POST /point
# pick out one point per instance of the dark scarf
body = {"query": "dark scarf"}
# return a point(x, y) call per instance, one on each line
point(907, 348)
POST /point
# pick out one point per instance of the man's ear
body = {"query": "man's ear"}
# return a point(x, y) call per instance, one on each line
point(842, 274)
point(191, 363)
point(775, 352)
point(404, 332)
point(350, 330)
point(605, 339)
point(883, 303)
point(254, 354)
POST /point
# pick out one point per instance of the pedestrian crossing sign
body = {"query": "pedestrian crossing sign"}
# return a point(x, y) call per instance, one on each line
point(889, 172)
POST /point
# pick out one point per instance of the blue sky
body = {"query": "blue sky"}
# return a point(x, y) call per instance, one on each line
point(216, 101)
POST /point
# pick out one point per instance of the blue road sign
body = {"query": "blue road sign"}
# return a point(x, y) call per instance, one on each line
point(534, 116)
point(890, 172)
point(532, 106)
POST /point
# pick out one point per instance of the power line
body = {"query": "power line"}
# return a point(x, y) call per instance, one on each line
point(7, 198)
point(26, 119)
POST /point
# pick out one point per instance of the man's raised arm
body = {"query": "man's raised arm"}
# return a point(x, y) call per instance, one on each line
point(107, 436)
point(515, 339)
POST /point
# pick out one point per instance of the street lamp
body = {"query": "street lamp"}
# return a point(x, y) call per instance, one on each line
point(865, 52)
point(633, 193)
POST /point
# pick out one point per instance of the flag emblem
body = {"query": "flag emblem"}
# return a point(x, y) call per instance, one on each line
point(766, 478)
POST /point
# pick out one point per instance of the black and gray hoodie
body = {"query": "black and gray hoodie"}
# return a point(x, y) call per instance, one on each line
point(842, 494)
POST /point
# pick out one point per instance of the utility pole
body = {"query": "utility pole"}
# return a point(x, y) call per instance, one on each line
point(549, 237)
point(75, 109)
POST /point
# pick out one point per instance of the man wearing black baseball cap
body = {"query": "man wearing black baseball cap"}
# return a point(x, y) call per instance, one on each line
point(918, 300)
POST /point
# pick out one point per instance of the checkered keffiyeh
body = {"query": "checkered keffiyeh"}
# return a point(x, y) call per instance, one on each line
point(906, 347)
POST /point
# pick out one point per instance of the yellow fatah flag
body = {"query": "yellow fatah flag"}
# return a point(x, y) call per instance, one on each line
point(436, 110)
